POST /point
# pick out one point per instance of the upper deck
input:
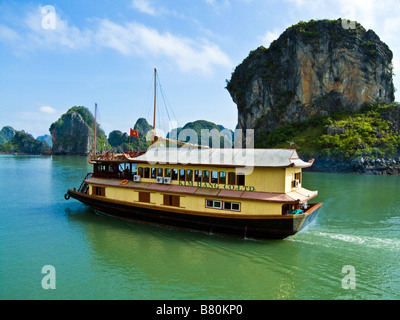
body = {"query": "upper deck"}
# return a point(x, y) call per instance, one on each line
point(276, 171)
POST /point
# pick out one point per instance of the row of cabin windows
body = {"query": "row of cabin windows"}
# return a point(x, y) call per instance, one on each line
point(174, 201)
point(168, 199)
point(219, 177)
point(216, 204)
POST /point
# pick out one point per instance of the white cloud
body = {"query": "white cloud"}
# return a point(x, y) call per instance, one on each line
point(131, 38)
point(63, 35)
point(8, 34)
point(144, 6)
point(47, 110)
point(134, 38)
point(218, 3)
point(30, 35)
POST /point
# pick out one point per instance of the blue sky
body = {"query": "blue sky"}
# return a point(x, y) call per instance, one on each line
point(105, 51)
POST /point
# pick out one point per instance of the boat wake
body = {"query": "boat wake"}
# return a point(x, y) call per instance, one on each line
point(371, 242)
point(366, 241)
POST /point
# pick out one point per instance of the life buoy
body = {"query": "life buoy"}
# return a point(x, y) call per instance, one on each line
point(124, 182)
point(66, 196)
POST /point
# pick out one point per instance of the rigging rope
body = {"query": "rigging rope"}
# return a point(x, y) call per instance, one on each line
point(166, 106)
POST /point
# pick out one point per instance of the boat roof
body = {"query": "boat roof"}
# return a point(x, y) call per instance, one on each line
point(236, 157)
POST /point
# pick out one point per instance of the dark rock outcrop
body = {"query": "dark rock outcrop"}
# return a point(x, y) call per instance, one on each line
point(6, 134)
point(359, 165)
point(313, 69)
point(73, 133)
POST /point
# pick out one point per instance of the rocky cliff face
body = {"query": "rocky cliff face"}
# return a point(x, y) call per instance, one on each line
point(72, 136)
point(6, 134)
point(73, 133)
point(313, 69)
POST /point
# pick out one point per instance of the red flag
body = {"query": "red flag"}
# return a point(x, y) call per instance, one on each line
point(134, 133)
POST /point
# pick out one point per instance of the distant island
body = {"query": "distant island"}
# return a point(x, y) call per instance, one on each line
point(13, 141)
point(322, 88)
point(73, 134)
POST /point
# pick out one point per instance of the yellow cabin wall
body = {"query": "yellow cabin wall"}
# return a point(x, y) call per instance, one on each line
point(289, 178)
point(267, 179)
point(192, 203)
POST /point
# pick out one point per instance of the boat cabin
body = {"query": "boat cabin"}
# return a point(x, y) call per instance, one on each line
point(214, 181)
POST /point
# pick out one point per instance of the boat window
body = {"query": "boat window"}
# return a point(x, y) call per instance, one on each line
point(159, 172)
point(167, 173)
point(171, 200)
point(233, 206)
point(286, 208)
point(214, 177)
point(99, 191)
point(297, 176)
point(206, 176)
point(213, 204)
point(240, 179)
point(222, 177)
point(153, 173)
point(144, 197)
point(140, 172)
point(134, 168)
point(231, 178)
point(197, 175)
point(147, 172)
point(189, 175)
point(174, 174)
point(181, 174)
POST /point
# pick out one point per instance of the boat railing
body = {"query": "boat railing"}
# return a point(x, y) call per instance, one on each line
point(114, 175)
point(116, 157)
point(84, 187)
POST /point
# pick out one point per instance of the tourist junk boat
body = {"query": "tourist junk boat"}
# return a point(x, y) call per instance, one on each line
point(250, 193)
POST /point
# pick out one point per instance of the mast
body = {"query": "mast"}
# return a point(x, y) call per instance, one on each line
point(95, 125)
point(155, 103)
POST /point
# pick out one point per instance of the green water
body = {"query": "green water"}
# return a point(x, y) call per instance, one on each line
point(98, 257)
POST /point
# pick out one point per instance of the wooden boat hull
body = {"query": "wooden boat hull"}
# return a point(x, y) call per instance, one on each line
point(246, 226)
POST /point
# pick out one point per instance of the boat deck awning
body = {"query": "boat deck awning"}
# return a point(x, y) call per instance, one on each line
point(302, 194)
point(223, 157)
point(297, 195)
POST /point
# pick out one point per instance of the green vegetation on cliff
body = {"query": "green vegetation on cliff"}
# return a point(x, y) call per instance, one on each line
point(371, 132)
point(215, 133)
point(121, 142)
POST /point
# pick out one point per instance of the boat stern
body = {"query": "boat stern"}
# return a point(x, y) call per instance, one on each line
point(307, 217)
